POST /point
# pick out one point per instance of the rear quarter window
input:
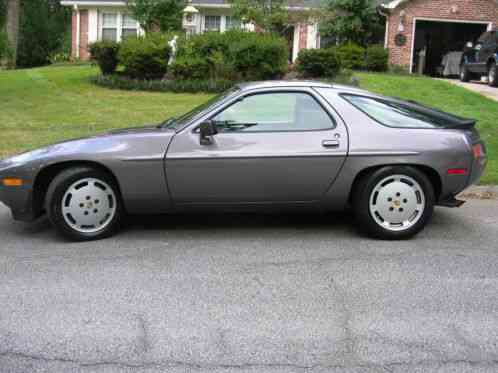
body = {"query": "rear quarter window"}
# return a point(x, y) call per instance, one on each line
point(397, 114)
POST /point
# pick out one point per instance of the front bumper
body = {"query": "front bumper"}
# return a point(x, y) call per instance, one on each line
point(20, 202)
point(18, 198)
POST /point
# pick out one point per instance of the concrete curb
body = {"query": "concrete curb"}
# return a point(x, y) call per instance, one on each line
point(480, 192)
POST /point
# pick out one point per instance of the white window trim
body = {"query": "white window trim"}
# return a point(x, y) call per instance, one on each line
point(222, 22)
point(119, 24)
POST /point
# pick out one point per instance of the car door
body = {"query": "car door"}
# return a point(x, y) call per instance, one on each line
point(282, 146)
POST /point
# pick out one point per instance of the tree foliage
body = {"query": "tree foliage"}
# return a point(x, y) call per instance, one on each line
point(352, 21)
point(45, 29)
point(270, 15)
point(165, 15)
point(3, 12)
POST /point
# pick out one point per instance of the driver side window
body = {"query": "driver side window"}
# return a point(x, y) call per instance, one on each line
point(273, 112)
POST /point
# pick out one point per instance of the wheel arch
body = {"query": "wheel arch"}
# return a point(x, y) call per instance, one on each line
point(428, 171)
point(47, 174)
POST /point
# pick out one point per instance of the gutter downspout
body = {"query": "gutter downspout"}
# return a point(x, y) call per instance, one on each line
point(381, 11)
point(78, 21)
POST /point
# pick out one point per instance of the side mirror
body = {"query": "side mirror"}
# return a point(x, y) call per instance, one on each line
point(207, 130)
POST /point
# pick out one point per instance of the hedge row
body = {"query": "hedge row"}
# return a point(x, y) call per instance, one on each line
point(142, 58)
point(118, 81)
point(233, 55)
point(327, 62)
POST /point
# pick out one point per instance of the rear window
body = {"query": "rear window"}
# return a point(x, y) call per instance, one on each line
point(401, 114)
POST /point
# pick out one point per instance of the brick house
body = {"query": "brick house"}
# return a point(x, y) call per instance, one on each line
point(95, 20)
point(434, 28)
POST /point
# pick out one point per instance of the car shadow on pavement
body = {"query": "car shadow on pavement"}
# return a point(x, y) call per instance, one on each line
point(341, 225)
point(247, 221)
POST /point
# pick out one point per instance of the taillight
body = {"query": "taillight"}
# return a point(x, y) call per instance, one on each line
point(478, 151)
point(457, 171)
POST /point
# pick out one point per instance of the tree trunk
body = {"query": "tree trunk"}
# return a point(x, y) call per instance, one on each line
point(12, 28)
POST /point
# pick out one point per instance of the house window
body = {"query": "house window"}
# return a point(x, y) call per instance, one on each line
point(110, 26)
point(117, 26)
point(232, 23)
point(212, 23)
point(129, 27)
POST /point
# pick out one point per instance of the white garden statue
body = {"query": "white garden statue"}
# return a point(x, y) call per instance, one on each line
point(173, 46)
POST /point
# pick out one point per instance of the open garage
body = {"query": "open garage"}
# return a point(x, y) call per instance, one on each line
point(436, 42)
point(422, 34)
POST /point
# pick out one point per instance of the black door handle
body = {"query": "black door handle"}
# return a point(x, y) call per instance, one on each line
point(330, 143)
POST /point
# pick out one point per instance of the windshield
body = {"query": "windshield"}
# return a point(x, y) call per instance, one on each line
point(175, 123)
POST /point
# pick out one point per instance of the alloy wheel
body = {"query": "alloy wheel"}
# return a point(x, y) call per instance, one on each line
point(397, 202)
point(89, 205)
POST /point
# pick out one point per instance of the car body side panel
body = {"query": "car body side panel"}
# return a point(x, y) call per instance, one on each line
point(373, 144)
point(135, 157)
point(255, 167)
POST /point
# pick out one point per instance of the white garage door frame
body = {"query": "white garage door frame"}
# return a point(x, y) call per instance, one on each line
point(414, 30)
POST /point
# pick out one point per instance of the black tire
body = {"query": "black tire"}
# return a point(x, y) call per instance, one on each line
point(493, 75)
point(465, 74)
point(361, 202)
point(55, 195)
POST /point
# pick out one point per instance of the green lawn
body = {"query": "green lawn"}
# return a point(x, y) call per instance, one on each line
point(45, 105)
point(447, 97)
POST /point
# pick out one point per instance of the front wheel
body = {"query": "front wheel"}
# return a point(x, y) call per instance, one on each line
point(394, 202)
point(84, 204)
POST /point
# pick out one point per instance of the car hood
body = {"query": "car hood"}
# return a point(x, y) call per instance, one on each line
point(121, 143)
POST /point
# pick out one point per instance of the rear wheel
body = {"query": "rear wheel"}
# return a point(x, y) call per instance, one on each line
point(464, 73)
point(84, 204)
point(394, 202)
point(493, 75)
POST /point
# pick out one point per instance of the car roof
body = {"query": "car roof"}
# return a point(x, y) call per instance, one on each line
point(298, 84)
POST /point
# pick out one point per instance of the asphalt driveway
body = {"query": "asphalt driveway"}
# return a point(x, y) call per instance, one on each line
point(477, 86)
point(252, 294)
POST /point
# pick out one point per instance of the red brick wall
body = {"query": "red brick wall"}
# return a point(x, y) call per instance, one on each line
point(84, 55)
point(465, 10)
point(303, 36)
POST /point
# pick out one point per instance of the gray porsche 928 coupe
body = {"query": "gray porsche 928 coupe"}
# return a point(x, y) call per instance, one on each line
point(267, 145)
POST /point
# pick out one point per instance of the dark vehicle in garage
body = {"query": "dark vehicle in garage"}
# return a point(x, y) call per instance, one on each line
point(260, 146)
point(481, 59)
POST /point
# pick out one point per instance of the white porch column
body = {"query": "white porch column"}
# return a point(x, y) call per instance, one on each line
point(93, 26)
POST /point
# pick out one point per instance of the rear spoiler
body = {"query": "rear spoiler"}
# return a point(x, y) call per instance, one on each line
point(449, 120)
point(464, 124)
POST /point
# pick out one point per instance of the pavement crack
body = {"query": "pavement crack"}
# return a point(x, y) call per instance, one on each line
point(143, 335)
point(388, 367)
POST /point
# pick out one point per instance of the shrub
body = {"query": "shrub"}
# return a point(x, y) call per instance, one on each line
point(60, 57)
point(399, 69)
point(376, 58)
point(190, 67)
point(352, 56)
point(260, 57)
point(232, 55)
point(105, 53)
point(315, 63)
point(190, 86)
point(145, 57)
